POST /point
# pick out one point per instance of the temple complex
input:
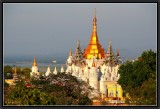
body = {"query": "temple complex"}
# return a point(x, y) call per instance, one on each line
point(97, 67)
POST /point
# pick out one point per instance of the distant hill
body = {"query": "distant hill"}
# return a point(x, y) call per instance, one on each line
point(60, 58)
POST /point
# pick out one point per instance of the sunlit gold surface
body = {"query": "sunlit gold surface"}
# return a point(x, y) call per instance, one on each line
point(94, 46)
point(34, 62)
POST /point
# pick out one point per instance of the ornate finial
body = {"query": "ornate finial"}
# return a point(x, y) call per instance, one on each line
point(118, 52)
point(95, 12)
point(109, 46)
point(95, 16)
point(110, 42)
point(78, 44)
point(70, 53)
point(93, 64)
point(94, 22)
point(34, 62)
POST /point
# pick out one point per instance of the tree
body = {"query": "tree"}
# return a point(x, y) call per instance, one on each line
point(139, 79)
point(20, 95)
point(19, 71)
point(60, 89)
point(26, 72)
point(65, 89)
point(6, 85)
point(8, 72)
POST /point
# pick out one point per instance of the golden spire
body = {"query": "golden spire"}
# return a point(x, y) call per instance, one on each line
point(15, 70)
point(93, 64)
point(70, 53)
point(94, 47)
point(34, 62)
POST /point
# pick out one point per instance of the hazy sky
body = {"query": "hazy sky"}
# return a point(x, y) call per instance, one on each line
point(49, 28)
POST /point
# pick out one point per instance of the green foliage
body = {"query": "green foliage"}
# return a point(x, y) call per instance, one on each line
point(8, 72)
point(26, 72)
point(148, 92)
point(60, 89)
point(20, 95)
point(139, 79)
point(19, 70)
point(67, 90)
point(6, 84)
point(84, 101)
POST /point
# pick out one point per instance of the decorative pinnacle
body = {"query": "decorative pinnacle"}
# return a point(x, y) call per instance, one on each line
point(118, 52)
point(78, 44)
point(95, 12)
point(34, 62)
point(110, 43)
point(95, 16)
point(94, 22)
point(109, 46)
point(15, 70)
point(70, 53)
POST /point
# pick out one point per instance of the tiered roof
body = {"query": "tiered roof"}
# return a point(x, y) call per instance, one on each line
point(94, 46)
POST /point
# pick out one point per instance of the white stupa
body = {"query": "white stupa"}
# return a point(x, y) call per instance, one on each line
point(48, 71)
point(93, 76)
point(62, 69)
point(55, 71)
point(34, 69)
